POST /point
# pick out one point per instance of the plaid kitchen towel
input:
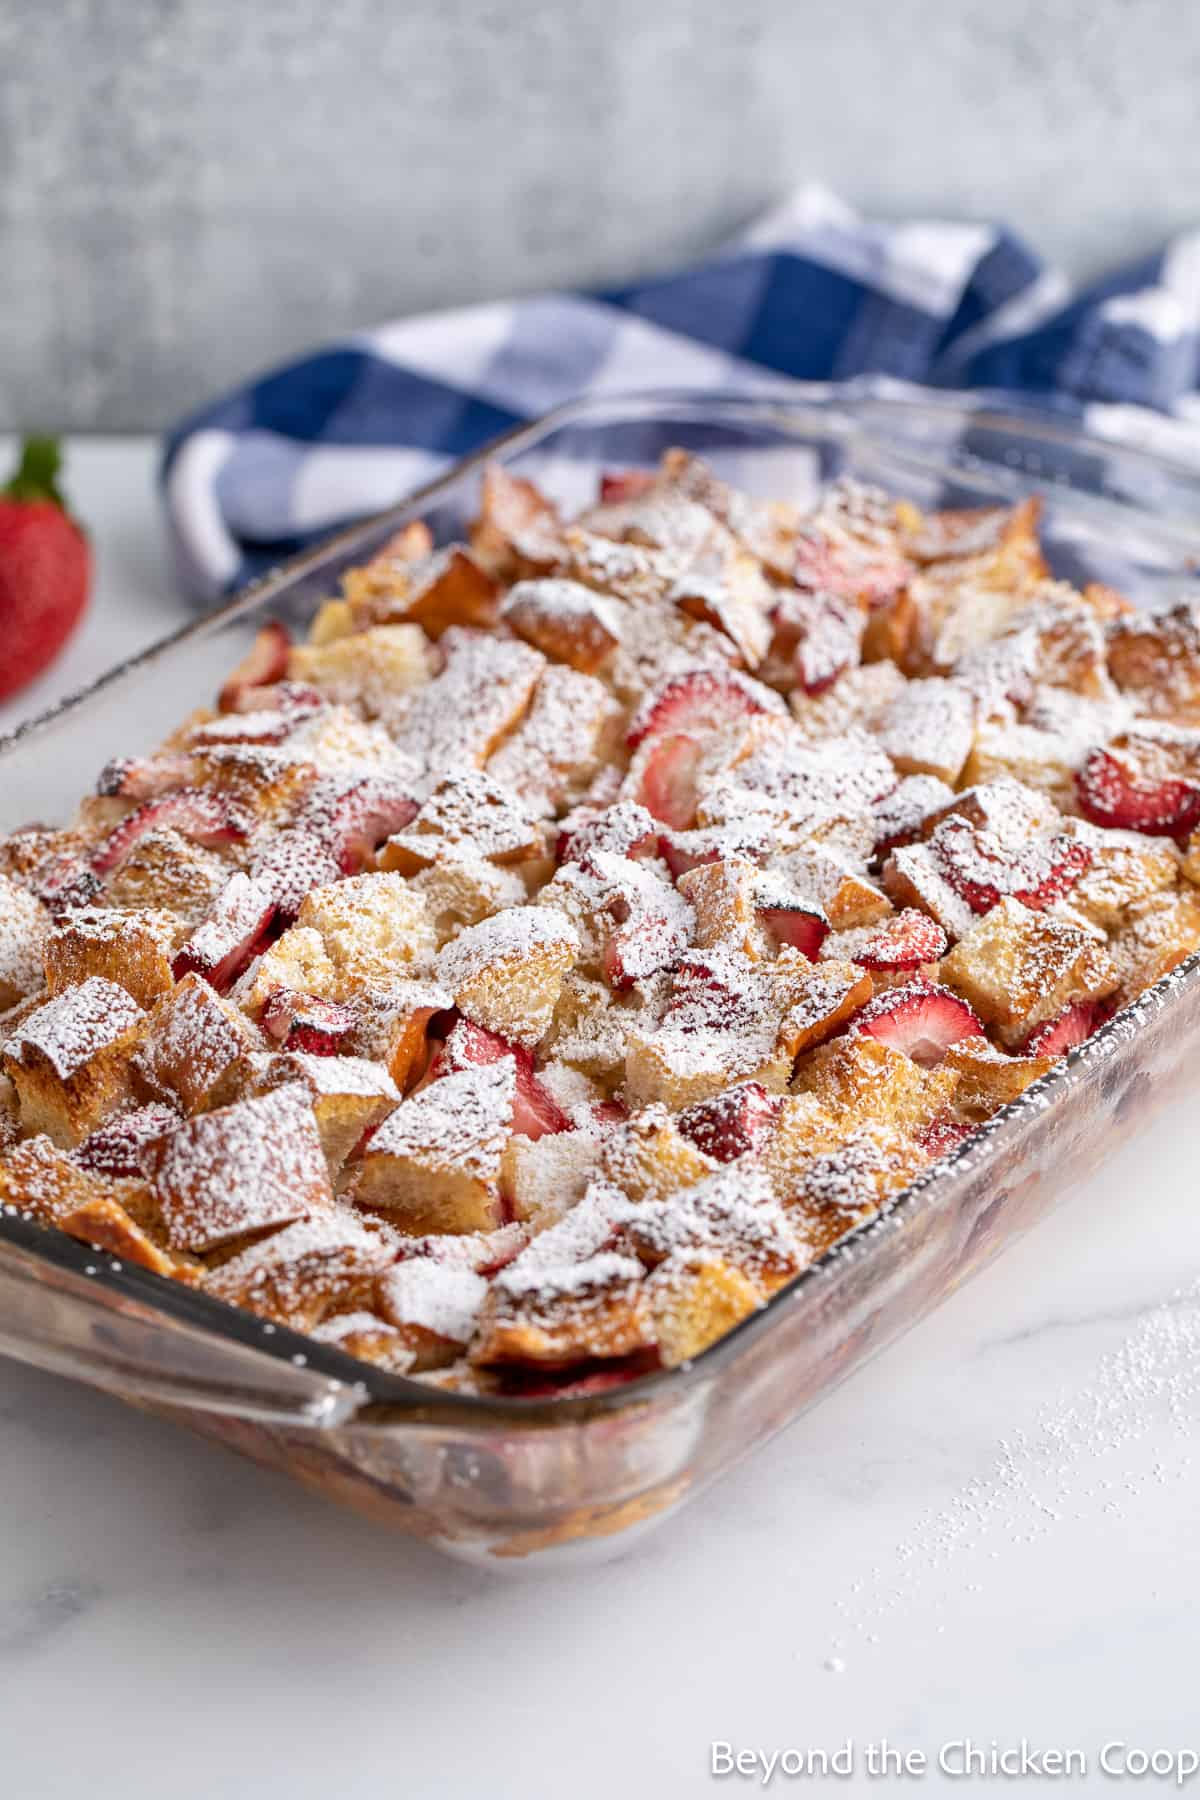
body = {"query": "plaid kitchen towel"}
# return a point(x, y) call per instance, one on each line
point(811, 292)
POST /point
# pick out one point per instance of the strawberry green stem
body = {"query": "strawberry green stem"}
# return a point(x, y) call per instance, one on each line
point(37, 472)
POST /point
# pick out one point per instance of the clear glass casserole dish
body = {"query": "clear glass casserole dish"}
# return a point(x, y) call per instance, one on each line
point(504, 1478)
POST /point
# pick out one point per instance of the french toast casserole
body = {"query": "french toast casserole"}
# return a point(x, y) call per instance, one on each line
point(590, 924)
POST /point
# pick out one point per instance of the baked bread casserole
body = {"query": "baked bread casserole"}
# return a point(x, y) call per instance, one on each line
point(521, 980)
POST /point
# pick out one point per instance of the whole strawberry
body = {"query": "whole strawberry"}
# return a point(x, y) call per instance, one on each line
point(45, 567)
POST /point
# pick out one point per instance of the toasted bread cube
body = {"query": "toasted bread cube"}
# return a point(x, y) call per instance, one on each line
point(859, 696)
point(599, 1309)
point(1025, 753)
point(439, 589)
point(912, 878)
point(590, 1028)
point(468, 812)
point(543, 1178)
point(1018, 968)
point(1157, 933)
point(830, 993)
point(166, 869)
point(929, 728)
point(569, 730)
point(732, 1216)
point(39, 1178)
point(434, 1305)
point(518, 531)
point(648, 1158)
point(132, 948)
point(860, 1080)
point(334, 619)
point(366, 1337)
point(845, 1186)
point(241, 1169)
point(1155, 658)
point(505, 973)
point(298, 960)
point(195, 1047)
point(374, 669)
point(108, 1221)
point(460, 717)
point(803, 1129)
point(373, 926)
point(566, 621)
point(1125, 867)
point(989, 1079)
point(722, 894)
point(23, 925)
point(393, 1020)
point(434, 1163)
point(349, 1096)
point(300, 1274)
point(694, 1303)
point(69, 1059)
point(463, 890)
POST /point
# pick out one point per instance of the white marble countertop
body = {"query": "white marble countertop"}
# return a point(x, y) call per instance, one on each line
point(986, 1534)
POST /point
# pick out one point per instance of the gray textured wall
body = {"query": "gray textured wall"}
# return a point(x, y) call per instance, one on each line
point(192, 188)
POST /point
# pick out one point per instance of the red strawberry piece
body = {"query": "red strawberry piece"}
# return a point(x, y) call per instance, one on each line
point(731, 1124)
point(609, 1112)
point(900, 816)
point(791, 918)
point(907, 941)
point(198, 813)
point(64, 881)
point(45, 567)
point(536, 1113)
point(306, 1022)
point(700, 700)
point(295, 699)
point(626, 829)
point(849, 571)
point(617, 485)
point(643, 942)
point(294, 862)
point(144, 777)
point(984, 870)
point(684, 850)
point(236, 930)
point(264, 715)
point(921, 1018)
point(822, 635)
point(943, 1134)
point(543, 1384)
point(353, 818)
point(668, 781)
point(1072, 1026)
point(1112, 790)
point(119, 1148)
point(265, 661)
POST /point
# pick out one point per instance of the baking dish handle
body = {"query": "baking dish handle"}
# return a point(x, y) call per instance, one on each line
point(68, 1326)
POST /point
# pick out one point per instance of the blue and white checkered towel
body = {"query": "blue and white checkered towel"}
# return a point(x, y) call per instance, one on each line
point(812, 292)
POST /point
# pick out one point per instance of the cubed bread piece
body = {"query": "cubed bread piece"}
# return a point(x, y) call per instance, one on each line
point(518, 532)
point(732, 1216)
point(695, 1300)
point(989, 1079)
point(392, 1022)
point(542, 1178)
point(845, 1186)
point(39, 1178)
point(462, 890)
point(563, 740)
point(860, 696)
point(23, 925)
point(368, 1338)
point(590, 1028)
point(241, 1169)
point(1155, 936)
point(459, 718)
point(373, 669)
point(69, 1060)
point(434, 1163)
point(929, 728)
point(859, 1080)
point(803, 1129)
point(1125, 867)
point(298, 960)
point(349, 1096)
point(648, 1158)
point(261, 781)
point(439, 589)
point(468, 812)
point(195, 1047)
point(566, 621)
point(300, 1274)
point(722, 895)
point(1155, 658)
point(1018, 968)
point(550, 1317)
point(912, 878)
point(333, 619)
point(1038, 757)
point(121, 1218)
point(434, 1305)
point(505, 973)
point(165, 869)
point(132, 948)
point(373, 926)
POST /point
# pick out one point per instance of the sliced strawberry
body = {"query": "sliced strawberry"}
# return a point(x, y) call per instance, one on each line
point(734, 1123)
point(536, 1113)
point(617, 485)
point(294, 862)
point(1112, 790)
point(64, 881)
point(921, 1018)
point(900, 817)
point(539, 1383)
point(790, 918)
point(984, 870)
point(236, 930)
point(907, 941)
point(668, 782)
point(942, 1135)
point(353, 817)
point(307, 1022)
point(295, 699)
point(119, 1147)
point(609, 1112)
point(822, 636)
point(626, 829)
point(643, 944)
point(262, 716)
point(208, 817)
point(700, 701)
point(144, 777)
point(1072, 1026)
point(684, 850)
point(850, 571)
point(265, 661)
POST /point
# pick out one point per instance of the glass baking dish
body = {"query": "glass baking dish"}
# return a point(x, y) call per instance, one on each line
point(505, 1478)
